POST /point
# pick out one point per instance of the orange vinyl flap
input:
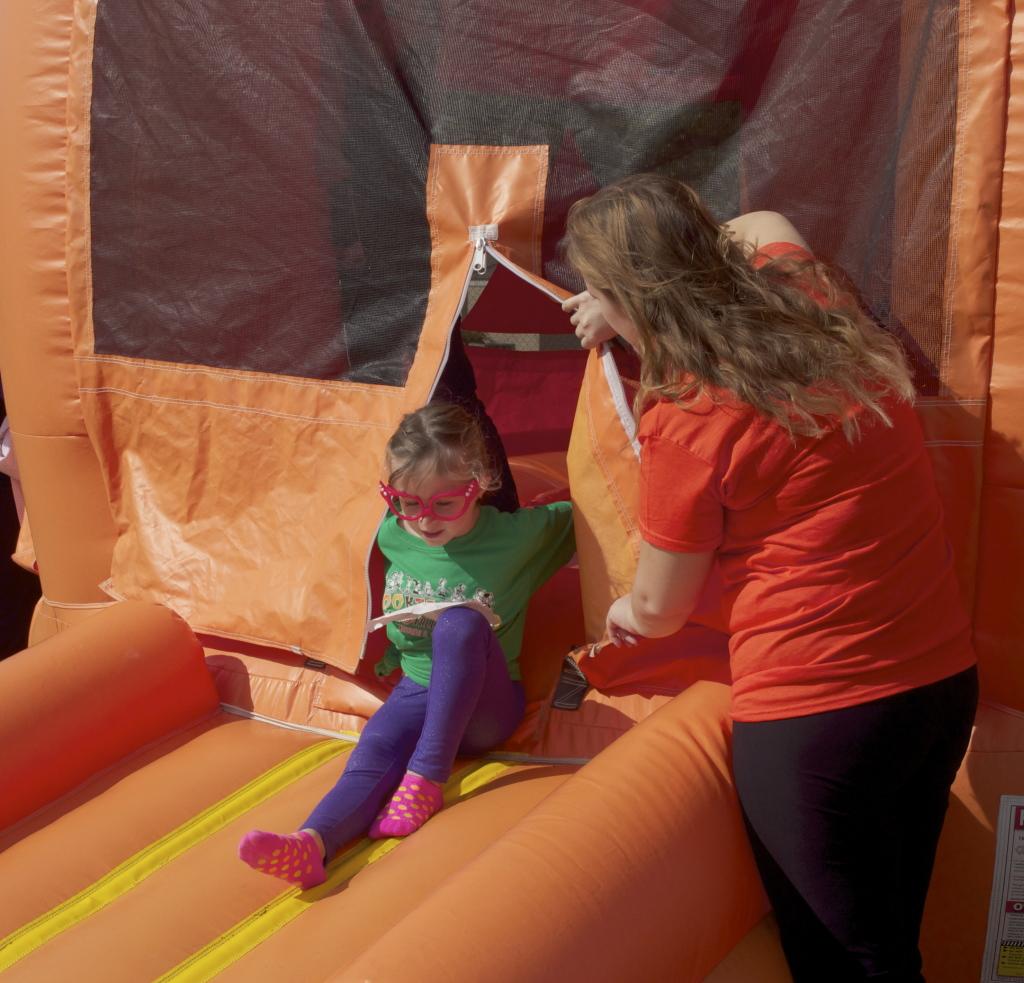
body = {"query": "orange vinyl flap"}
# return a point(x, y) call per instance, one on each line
point(246, 501)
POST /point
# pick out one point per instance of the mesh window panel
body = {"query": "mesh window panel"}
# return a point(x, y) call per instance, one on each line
point(258, 169)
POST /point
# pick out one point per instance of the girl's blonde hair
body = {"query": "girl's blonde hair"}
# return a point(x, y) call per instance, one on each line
point(439, 439)
point(707, 320)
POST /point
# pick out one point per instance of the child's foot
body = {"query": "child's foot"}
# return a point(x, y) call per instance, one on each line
point(415, 800)
point(294, 857)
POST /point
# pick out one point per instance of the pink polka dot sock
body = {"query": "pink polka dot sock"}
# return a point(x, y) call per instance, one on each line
point(294, 857)
point(415, 800)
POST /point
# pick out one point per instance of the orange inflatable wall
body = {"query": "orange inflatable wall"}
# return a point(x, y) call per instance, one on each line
point(974, 425)
point(71, 435)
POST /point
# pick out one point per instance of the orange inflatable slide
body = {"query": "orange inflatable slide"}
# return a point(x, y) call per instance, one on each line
point(240, 241)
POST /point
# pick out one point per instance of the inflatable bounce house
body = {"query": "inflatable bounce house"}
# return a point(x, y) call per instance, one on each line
point(238, 239)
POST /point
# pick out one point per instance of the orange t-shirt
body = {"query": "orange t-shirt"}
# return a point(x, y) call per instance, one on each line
point(838, 582)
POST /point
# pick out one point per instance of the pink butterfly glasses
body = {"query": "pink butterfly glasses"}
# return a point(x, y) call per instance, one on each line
point(446, 506)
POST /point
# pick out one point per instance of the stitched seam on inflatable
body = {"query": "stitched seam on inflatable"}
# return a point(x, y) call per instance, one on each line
point(221, 952)
point(131, 872)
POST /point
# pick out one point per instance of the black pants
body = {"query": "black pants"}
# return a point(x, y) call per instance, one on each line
point(844, 811)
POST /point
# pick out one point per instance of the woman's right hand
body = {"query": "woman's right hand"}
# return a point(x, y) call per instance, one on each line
point(619, 626)
point(587, 320)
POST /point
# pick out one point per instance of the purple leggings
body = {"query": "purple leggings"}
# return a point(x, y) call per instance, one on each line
point(470, 707)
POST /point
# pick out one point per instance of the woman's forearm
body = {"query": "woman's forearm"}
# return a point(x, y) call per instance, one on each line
point(652, 622)
point(665, 592)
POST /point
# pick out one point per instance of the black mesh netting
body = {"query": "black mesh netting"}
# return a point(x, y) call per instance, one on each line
point(258, 169)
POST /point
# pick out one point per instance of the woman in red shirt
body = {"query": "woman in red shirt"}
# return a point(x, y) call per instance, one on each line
point(778, 435)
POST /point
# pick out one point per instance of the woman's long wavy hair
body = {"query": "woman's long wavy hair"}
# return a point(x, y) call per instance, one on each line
point(709, 322)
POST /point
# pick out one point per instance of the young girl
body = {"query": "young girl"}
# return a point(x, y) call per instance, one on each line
point(460, 691)
point(778, 435)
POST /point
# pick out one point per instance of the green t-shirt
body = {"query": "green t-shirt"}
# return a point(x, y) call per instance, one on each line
point(501, 561)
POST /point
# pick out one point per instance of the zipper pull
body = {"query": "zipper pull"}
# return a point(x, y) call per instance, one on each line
point(480, 235)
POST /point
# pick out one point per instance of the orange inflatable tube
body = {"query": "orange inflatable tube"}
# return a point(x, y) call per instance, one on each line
point(84, 699)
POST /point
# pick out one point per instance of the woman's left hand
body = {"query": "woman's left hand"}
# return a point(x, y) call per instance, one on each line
point(619, 625)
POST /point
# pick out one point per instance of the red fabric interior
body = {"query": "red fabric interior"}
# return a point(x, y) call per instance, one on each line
point(530, 396)
point(510, 305)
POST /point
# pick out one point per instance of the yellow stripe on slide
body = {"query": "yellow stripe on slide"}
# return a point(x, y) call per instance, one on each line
point(148, 861)
point(215, 957)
